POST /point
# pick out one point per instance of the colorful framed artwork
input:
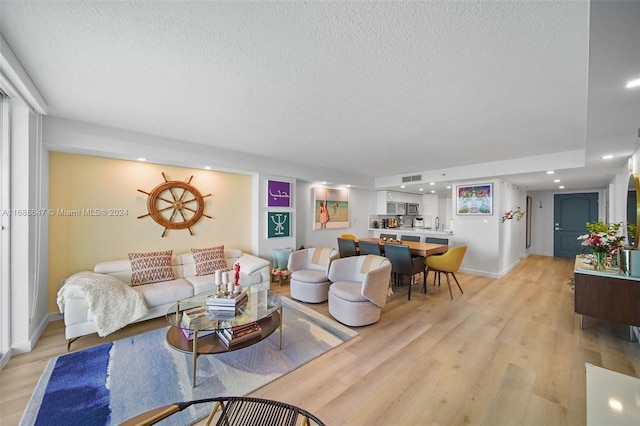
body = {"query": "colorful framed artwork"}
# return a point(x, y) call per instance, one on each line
point(278, 194)
point(331, 208)
point(475, 199)
point(278, 224)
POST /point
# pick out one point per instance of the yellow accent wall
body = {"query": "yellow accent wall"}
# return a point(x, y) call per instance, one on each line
point(94, 204)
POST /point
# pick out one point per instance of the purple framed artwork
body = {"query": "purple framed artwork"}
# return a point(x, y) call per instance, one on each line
point(278, 194)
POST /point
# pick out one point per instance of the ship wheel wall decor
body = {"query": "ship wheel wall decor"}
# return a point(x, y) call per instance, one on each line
point(175, 204)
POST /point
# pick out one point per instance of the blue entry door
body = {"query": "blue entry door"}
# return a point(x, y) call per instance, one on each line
point(571, 212)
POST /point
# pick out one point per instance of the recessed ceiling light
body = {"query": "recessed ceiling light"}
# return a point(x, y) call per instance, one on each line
point(432, 183)
point(207, 167)
point(607, 157)
point(633, 83)
point(561, 187)
point(421, 189)
point(433, 191)
point(550, 172)
point(402, 186)
point(348, 186)
point(449, 187)
point(142, 159)
point(324, 182)
point(556, 180)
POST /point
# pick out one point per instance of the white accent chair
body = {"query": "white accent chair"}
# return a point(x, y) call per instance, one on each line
point(359, 289)
point(309, 269)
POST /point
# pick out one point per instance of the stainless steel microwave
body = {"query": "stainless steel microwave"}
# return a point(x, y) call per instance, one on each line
point(412, 209)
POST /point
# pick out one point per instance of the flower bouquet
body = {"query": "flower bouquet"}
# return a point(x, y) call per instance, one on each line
point(603, 239)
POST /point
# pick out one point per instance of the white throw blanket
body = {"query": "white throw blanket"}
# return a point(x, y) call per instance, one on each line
point(113, 303)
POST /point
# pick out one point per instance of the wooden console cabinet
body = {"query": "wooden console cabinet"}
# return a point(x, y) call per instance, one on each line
point(609, 295)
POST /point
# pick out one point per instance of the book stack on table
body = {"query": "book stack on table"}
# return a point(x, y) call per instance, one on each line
point(227, 304)
point(233, 335)
point(197, 318)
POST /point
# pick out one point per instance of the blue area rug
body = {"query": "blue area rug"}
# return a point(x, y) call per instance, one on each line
point(111, 383)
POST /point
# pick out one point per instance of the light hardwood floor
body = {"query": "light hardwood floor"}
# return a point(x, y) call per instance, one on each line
point(508, 352)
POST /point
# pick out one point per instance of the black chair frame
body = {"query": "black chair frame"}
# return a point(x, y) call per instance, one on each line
point(347, 247)
point(370, 247)
point(402, 263)
point(235, 410)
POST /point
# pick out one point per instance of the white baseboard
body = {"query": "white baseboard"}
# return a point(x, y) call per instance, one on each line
point(28, 345)
point(495, 275)
point(5, 358)
point(480, 273)
point(54, 317)
point(509, 268)
point(544, 253)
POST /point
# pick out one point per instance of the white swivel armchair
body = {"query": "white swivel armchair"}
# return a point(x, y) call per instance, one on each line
point(309, 269)
point(359, 289)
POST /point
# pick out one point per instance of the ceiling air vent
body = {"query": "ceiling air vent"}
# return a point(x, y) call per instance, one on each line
point(414, 178)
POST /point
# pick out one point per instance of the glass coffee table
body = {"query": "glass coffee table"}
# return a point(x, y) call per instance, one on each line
point(262, 306)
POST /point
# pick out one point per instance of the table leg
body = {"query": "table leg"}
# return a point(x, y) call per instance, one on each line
point(280, 309)
point(214, 411)
point(195, 356)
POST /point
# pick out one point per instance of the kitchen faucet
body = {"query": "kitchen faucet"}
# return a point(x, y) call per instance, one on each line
point(437, 223)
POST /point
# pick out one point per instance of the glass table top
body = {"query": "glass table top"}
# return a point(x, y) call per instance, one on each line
point(258, 305)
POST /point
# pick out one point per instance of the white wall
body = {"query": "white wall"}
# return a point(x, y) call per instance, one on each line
point(480, 235)
point(28, 232)
point(430, 208)
point(541, 223)
point(512, 232)
point(262, 245)
point(83, 138)
point(444, 212)
point(542, 218)
point(362, 203)
point(493, 247)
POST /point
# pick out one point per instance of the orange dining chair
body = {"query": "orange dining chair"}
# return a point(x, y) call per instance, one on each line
point(348, 236)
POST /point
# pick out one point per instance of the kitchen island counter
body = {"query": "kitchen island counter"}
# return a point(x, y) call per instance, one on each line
point(411, 231)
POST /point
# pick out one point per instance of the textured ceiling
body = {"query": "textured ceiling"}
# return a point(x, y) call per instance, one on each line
point(399, 86)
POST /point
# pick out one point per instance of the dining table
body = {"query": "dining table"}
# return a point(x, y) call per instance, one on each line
point(416, 248)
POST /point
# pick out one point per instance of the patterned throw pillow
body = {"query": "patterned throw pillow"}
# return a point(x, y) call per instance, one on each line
point(209, 260)
point(151, 267)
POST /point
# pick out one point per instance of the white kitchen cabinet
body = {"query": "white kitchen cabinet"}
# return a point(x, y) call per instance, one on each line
point(396, 208)
point(387, 197)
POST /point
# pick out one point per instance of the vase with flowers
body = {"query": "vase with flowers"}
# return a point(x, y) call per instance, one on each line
point(604, 239)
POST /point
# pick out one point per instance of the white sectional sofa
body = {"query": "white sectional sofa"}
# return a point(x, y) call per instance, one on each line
point(159, 296)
